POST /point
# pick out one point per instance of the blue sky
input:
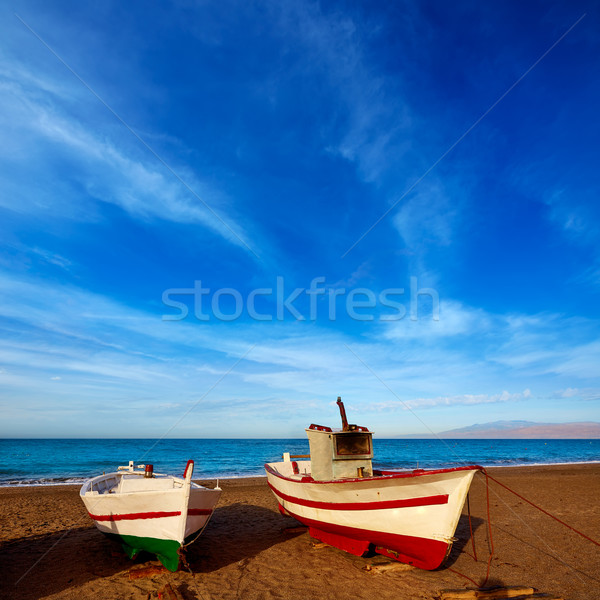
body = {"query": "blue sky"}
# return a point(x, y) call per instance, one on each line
point(429, 170)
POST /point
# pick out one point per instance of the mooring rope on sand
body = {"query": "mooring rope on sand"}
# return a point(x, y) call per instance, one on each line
point(487, 490)
point(583, 535)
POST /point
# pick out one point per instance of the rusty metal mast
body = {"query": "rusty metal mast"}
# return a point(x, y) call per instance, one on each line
point(340, 404)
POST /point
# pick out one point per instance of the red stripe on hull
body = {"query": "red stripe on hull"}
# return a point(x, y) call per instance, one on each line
point(381, 505)
point(135, 516)
point(199, 511)
point(420, 552)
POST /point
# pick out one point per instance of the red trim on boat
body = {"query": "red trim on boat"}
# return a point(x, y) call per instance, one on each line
point(150, 515)
point(320, 427)
point(187, 466)
point(380, 505)
point(423, 553)
point(386, 474)
point(135, 516)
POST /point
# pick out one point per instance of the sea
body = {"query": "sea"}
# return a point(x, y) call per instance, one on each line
point(26, 462)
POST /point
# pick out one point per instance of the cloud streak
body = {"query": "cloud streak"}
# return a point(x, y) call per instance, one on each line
point(103, 169)
point(461, 399)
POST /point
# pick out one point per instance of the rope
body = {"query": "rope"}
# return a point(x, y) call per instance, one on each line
point(487, 500)
point(540, 509)
point(491, 540)
point(203, 594)
point(471, 529)
point(195, 538)
point(463, 575)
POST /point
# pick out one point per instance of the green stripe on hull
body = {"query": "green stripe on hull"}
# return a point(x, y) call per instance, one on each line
point(167, 551)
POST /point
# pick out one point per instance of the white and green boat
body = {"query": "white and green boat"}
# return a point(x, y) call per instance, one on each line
point(150, 511)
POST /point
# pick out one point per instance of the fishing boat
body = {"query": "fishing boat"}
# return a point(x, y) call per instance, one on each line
point(410, 516)
point(150, 511)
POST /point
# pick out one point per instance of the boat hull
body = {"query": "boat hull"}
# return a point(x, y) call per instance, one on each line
point(167, 551)
point(159, 522)
point(411, 517)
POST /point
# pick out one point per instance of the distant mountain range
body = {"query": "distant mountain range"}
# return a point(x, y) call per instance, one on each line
point(522, 430)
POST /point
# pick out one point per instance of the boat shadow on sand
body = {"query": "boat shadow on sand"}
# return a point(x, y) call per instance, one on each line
point(463, 542)
point(50, 563)
point(39, 565)
point(45, 564)
point(238, 532)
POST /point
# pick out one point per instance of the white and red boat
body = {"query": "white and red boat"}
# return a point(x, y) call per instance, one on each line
point(410, 516)
point(150, 511)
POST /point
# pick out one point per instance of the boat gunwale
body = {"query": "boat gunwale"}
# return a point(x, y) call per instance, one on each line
point(86, 487)
point(386, 475)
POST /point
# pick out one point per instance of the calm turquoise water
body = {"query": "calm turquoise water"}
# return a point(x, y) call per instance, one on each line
point(26, 462)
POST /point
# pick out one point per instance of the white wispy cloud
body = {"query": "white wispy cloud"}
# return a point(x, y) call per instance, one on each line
point(460, 399)
point(548, 344)
point(52, 258)
point(426, 217)
point(455, 319)
point(588, 394)
point(568, 204)
point(107, 354)
point(103, 164)
point(376, 121)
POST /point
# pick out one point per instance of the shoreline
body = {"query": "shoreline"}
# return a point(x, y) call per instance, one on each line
point(81, 481)
point(246, 551)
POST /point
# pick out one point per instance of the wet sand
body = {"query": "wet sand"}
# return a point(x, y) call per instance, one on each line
point(49, 547)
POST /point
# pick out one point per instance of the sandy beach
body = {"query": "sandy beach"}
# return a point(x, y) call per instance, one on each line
point(50, 549)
